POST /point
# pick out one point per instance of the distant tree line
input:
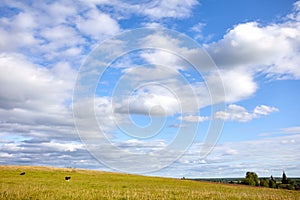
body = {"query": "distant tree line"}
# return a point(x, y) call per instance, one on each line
point(252, 179)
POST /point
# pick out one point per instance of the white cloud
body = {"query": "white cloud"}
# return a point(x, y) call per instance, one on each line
point(161, 40)
point(163, 58)
point(73, 52)
point(192, 118)
point(97, 24)
point(59, 33)
point(234, 159)
point(175, 52)
point(53, 31)
point(283, 131)
point(151, 103)
point(60, 43)
point(177, 126)
point(244, 51)
point(60, 11)
point(17, 32)
point(27, 86)
point(153, 24)
point(238, 84)
point(35, 115)
point(58, 154)
point(198, 27)
point(248, 44)
point(272, 49)
point(170, 8)
point(292, 130)
point(104, 111)
point(198, 30)
point(24, 21)
point(296, 14)
point(251, 48)
point(154, 10)
point(158, 90)
point(240, 114)
point(264, 110)
point(33, 99)
point(148, 74)
point(134, 145)
point(234, 113)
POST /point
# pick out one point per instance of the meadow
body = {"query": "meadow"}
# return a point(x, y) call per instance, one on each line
point(49, 183)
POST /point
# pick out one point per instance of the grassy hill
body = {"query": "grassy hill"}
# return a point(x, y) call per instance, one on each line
point(49, 183)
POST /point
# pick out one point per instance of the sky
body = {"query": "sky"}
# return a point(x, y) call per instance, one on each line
point(166, 88)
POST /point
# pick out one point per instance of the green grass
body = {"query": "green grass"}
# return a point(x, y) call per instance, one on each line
point(49, 183)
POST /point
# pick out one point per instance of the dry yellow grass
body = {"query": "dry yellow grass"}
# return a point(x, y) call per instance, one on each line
point(49, 183)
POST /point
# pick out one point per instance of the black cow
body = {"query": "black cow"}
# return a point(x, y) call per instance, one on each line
point(67, 178)
point(23, 173)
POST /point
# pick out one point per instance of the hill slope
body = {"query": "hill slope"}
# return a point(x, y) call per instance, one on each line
point(49, 183)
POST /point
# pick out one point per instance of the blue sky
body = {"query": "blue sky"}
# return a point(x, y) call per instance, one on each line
point(153, 103)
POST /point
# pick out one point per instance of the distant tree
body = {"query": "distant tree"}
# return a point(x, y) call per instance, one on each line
point(264, 183)
point(291, 187)
point(284, 179)
point(291, 182)
point(272, 178)
point(251, 179)
point(287, 183)
point(272, 183)
point(286, 186)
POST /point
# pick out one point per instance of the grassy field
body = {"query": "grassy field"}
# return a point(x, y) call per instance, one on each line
point(49, 183)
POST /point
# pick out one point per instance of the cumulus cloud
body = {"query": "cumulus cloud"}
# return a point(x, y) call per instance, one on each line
point(238, 85)
point(238, 82)
point(60, 34)
point(240, 114)
point(163, 58)
point(97, 24)
point(264, 110)
point(154, 90)
point(271, 49)
point(53, 31)
point(17, 32)
point(175, 52)
point(151, 103)
point(24, 85)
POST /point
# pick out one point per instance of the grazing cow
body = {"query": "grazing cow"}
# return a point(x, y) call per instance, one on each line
point(67, 178)
point(23, 173)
